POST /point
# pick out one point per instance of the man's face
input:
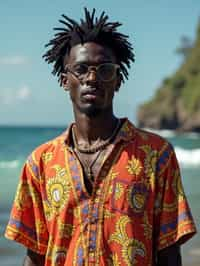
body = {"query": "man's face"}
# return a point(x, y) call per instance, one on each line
point(90, 95)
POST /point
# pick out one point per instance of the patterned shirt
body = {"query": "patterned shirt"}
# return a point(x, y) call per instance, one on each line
point(137, 206)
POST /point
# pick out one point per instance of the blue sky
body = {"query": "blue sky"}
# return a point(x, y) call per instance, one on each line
point(30, 94)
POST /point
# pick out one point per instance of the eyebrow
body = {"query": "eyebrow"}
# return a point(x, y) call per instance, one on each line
point(89, 63)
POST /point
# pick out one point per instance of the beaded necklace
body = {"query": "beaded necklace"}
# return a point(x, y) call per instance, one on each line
point(98, 147)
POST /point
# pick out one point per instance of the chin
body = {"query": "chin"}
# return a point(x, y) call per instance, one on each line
point(91, 111)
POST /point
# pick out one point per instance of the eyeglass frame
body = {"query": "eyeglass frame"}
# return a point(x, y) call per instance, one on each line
point(94, 68)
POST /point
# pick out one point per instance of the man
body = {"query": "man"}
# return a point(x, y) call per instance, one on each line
point(104, 192)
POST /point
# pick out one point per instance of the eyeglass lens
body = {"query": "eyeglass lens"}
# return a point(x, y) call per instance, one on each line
point(105, 71)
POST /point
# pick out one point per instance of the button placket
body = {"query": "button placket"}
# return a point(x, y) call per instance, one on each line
point(93, 228)
point(95, 205)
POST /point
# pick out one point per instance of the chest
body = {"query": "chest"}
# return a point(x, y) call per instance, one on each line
point(120, 181)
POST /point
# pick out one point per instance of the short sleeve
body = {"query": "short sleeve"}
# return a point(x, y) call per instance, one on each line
point(173, 219)
point(27, 223)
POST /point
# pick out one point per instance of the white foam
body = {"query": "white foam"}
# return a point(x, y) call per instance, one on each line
point(165, 133)
point(188, 157)
point(192, 135)
point(9, 164)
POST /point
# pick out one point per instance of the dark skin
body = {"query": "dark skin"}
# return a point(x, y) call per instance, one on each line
point(92, 102)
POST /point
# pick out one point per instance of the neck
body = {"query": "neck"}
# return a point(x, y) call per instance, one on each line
point(90, 129)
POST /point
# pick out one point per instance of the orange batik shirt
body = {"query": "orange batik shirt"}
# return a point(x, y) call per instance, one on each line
point(137, 206)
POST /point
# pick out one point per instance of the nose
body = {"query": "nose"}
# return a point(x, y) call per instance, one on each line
point(91, 76)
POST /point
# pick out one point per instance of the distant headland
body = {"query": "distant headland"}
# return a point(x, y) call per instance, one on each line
point(176, 104)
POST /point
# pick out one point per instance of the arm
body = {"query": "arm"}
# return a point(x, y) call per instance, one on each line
point(170, 256)
point(33, 259)
point(173, 220)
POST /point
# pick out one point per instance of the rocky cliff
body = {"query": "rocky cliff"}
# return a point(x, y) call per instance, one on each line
point(176, 104)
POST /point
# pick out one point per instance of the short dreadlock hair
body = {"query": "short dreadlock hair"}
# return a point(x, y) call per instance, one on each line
point(91, 29)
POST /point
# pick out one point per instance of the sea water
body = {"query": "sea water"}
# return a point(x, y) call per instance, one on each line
point(16, 143)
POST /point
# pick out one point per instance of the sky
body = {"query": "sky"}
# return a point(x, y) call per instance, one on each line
point(31, 95)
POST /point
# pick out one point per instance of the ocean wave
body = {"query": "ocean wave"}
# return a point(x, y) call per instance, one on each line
point(188, 157)
point(185, 157)
point(9, 164)
point(192, 135)
point(165, 133)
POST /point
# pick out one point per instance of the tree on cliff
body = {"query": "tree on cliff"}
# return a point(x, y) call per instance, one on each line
point(176, 104)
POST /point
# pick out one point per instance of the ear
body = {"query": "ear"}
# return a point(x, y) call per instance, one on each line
point(119, 81)
point(64, 81)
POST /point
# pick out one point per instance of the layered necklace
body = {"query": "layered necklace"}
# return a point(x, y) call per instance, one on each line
point(91, 151)
point(98, 147)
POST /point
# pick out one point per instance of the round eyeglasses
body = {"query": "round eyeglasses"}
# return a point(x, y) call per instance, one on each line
point(105, 72)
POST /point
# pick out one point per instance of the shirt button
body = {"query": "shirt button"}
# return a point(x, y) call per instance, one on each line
point(93, 220)
point(98, 192)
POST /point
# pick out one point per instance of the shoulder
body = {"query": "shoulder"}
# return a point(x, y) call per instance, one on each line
point(140, 137)
point(151, 138)
point(150, 146)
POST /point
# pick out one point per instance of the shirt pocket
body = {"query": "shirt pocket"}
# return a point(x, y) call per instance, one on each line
point(129, 197)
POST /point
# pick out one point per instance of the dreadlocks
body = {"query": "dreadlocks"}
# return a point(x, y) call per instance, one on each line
point(91, 29)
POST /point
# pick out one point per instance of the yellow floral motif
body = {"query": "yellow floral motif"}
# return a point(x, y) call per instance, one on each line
point(22, 200)
point(58, 190)
point(150, 164)
point(113, 260)
point(136, 200)
point(177, 185)
point(60, 172)
point(112, 175)
point(126, 129)
point(40, 226)
point(50, 247)
point(55, 142)
point(55, 252)
point(76, 212)
point(131, 248)
point(110, 189)
point(170, 207)
point(59, 255)
point(178, 190)
point(65, 230)
point(47, 157)
point(134, 166)
point(47, 210)
point(35, 196)
point(147, 227)
point(108, 214)
point(118, 191)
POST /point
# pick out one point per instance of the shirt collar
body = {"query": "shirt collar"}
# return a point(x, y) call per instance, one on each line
point(126, 132)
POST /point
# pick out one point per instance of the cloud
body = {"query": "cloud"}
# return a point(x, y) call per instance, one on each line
point(13, 60)
point(23, 93)
point(13, 96)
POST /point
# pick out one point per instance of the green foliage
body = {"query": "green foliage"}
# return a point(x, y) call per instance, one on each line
point(183, 86)
point(185, 47)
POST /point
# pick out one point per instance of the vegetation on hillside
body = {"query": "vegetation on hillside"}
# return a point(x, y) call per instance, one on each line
point(176, 104)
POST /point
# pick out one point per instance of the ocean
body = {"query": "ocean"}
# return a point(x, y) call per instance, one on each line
point(16, 143)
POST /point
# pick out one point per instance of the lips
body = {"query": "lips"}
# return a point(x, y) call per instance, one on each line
point(91, 93)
